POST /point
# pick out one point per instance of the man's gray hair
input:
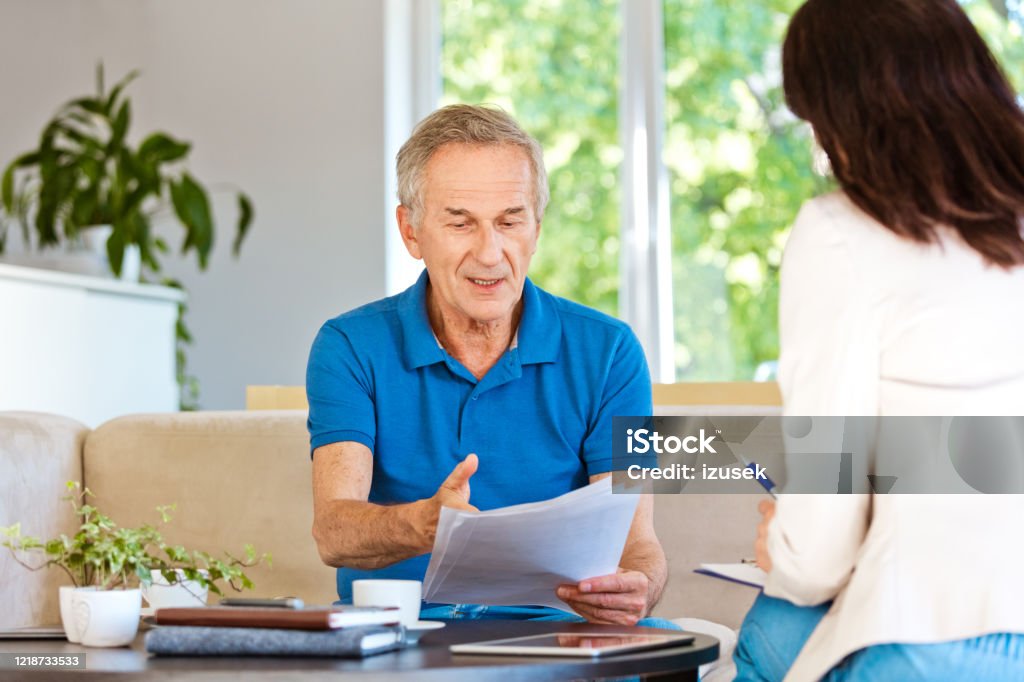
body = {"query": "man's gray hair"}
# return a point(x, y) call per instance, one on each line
point(464, 124)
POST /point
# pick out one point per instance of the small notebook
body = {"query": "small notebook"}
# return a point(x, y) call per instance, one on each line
point(34, 632)
point(331, 618)
point(354, 642)
point(745, 574)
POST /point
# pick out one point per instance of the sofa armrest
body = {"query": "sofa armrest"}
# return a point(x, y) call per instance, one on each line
point(39, 453)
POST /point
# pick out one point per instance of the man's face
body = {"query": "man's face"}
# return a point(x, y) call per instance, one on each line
point(477, 230)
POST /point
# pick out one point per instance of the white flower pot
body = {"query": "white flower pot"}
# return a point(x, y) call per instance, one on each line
point(94, 243)
point(106, 618)
point(85, 255)
point(66, 619)
point(161, 594)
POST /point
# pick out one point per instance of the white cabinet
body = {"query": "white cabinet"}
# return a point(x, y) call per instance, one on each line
point(85, 347)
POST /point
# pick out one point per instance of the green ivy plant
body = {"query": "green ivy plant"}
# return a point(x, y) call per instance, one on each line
point(107, 556)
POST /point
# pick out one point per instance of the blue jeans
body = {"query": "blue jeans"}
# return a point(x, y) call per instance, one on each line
point(775, 630)
point(535, 613)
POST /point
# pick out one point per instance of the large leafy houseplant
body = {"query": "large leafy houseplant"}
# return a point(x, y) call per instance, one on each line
point(86, 172)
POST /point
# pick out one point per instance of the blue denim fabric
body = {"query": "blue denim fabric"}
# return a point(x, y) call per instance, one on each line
point(536, 613)
point(771, 636)
point(998, 657)
point(775, 630)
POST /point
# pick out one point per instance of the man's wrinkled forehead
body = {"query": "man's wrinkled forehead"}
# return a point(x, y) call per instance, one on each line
point(460, 177)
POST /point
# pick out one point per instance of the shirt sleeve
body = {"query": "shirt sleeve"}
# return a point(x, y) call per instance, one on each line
point(339, 391)
point(626, 393)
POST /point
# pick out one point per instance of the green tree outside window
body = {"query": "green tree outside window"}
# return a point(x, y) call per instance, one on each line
point(739, 164)
point(554, 65)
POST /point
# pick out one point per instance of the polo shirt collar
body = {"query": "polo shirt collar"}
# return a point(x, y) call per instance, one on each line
point(537, 339)
point(540, 328)
point(419, 345)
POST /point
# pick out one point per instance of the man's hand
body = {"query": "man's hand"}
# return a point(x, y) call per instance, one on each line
point(454, 492)
point(764, 560)
point(350, 531)
point(620, 599)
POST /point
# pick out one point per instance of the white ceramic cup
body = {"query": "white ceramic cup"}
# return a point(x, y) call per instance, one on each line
point(106, 618)
point(161, 594)
point(66, 614)
point(405, 594)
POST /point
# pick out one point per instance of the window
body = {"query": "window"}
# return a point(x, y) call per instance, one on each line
point(739, 170)
point(738, 164)
point(554, 66)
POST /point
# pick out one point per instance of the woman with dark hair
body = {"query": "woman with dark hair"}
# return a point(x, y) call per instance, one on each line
point(902, 294)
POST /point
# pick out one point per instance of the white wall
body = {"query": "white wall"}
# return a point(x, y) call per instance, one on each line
point(285, 99)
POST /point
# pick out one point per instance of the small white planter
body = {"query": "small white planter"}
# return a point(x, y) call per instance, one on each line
point(163, 595)
point(66, 619)
point(106, 618)
point(86, 255)
point(94, 243)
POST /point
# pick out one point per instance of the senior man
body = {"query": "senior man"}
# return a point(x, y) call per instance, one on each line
point(471, 377)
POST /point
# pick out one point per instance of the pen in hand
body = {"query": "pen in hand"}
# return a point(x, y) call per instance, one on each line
point(766, 483)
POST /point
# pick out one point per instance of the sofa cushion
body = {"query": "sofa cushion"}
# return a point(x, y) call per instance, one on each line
point(236, 478)
point(38, 454)
point(699, 528)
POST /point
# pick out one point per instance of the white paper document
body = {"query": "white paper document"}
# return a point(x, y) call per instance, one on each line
point(519, 555)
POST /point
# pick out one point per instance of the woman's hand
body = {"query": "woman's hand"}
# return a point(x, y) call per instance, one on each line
point(767, 509)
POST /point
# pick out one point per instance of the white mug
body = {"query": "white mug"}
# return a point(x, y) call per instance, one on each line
point(161, 594)
point(67, 615)
point(106, 617)
point(405, 594)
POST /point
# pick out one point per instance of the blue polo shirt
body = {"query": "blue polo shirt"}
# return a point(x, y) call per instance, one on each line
point(540, 420)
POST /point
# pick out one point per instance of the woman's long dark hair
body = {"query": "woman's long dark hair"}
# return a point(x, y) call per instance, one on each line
point(919, 122)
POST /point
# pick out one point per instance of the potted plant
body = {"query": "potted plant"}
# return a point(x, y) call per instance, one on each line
point(86, 182)
point(86, 176)
point(107, 564)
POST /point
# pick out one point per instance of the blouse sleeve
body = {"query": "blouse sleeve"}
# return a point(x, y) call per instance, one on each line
point(829, 366)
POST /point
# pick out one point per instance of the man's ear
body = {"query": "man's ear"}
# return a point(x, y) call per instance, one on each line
point(408, 232)
point(536, 239)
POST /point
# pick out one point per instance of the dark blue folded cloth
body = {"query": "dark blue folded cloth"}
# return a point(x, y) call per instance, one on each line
point(354, 642)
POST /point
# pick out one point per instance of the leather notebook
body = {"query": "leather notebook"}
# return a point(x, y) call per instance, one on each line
point(331, 618)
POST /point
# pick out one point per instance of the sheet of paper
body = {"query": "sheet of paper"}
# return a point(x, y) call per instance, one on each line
point(746, 574)
point(519, 555)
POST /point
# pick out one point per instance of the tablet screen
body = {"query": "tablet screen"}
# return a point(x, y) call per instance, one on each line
point(575, 644)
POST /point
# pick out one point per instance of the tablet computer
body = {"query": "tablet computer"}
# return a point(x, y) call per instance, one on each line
point(587, 645)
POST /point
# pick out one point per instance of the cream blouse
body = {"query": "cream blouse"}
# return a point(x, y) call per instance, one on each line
point(874, 324)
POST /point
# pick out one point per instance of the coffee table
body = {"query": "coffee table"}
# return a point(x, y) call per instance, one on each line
point(429, 661)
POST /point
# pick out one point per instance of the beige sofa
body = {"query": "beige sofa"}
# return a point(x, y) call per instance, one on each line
point(244, 477)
